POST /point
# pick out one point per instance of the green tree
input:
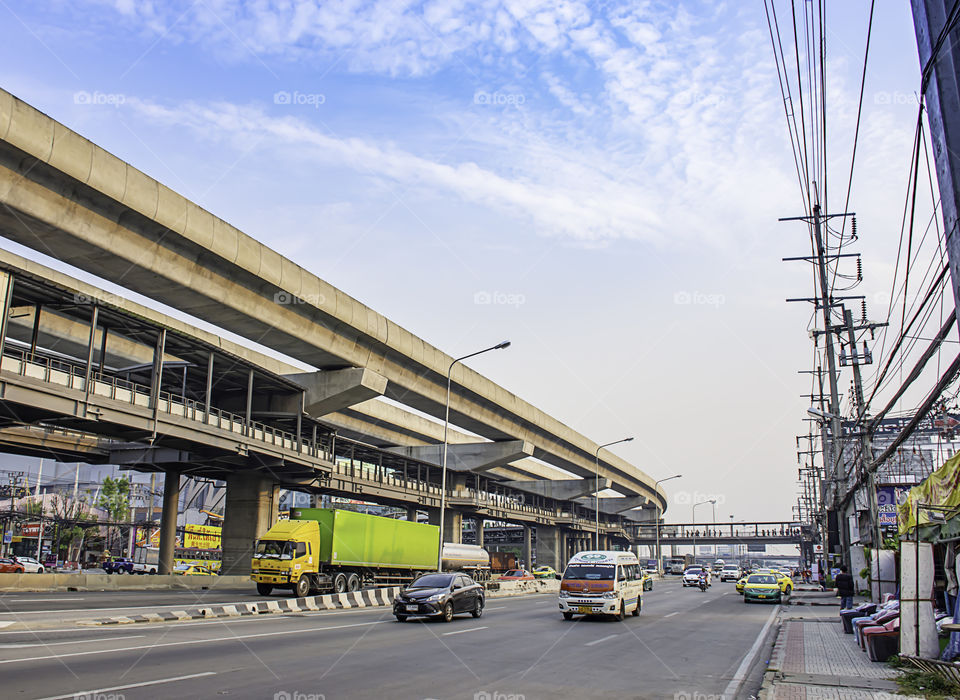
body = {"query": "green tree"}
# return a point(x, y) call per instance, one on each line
point(115, 499)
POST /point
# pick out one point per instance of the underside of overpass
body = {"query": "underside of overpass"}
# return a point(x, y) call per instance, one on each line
point(64, 196)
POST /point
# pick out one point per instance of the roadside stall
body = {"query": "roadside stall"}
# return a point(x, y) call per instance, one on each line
point(929, 528)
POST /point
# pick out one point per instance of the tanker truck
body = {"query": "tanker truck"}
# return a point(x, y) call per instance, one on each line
point(325, 550)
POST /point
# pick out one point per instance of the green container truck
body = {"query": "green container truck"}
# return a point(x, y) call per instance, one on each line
point(327, 550)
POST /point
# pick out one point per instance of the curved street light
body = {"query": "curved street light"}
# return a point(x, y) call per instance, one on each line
point(596, 483)
point(693, 514)
point(657, 483)
point(446, 427)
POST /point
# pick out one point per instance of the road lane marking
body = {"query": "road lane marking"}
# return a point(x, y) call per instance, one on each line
point(498, 607)
point(671, 614)
point(233, 637)
point(472, 629)
point(99, 691)
point(27, 645)
point(602, 639)
point(744, 667)
point(38, 600)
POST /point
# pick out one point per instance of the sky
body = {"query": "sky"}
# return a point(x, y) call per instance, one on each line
point(599, 183)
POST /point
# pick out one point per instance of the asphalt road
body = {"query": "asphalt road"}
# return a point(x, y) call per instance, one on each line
point(685, 644)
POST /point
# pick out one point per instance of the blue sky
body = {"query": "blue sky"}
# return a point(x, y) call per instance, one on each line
point(598, 182)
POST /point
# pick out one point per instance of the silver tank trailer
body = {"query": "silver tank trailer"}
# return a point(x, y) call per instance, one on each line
point(464, 556)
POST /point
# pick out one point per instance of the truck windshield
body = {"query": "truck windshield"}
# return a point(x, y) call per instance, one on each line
point(273, 549)
point(589, 572)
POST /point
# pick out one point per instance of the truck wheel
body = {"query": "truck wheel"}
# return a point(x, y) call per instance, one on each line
point(340, 583)
point(448, 612)
point(568, 616)
point(264, 588)
point(353, 583)
point(302, 588)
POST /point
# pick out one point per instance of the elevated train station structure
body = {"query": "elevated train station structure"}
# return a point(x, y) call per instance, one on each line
point(87, 375)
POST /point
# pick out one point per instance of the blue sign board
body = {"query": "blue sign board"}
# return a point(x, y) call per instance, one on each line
point(888, 498)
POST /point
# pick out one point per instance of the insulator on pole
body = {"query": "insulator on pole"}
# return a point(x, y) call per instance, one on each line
point(863, 310)
point(853, 228)
point(859, 270)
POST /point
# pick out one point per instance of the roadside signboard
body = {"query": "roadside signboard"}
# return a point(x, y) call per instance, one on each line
point(888, 498)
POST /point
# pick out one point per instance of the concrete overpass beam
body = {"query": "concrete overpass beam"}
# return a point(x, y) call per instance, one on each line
point(469, 456)
point(641, 516)
point(249, 511)
point(335, 390)
point(560, 489)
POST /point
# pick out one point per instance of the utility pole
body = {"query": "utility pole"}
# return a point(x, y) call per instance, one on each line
point(866, 447)
point(825, 302)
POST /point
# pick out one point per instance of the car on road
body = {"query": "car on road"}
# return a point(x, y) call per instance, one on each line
point(545, 572)
point(730, 572)
point(9, 566)
point(31, 565)
point(192, 570)
point(601, 583)
point(441, 596)
point(691, 577)
point(784, 581)
point(762, 587)
point(646, 579)
point(517, 575)
point(118, 565)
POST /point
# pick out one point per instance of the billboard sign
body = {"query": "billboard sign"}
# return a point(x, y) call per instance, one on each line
point(201, 536)
point(758, 548)
point(888, 498)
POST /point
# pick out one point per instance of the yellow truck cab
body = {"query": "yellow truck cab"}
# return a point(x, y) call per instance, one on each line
point(284, 554)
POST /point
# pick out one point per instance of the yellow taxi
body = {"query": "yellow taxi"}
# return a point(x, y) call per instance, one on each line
point(784, 581)
point(762, 587)
point(192, 570)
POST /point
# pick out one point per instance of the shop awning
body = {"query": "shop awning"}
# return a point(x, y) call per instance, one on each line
point(940, 491)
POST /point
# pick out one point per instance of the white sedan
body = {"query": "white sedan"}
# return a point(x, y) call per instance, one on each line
point(691, 577)
point(30, 565)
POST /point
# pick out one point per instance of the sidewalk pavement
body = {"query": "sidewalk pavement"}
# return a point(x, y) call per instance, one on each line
point(814, 660)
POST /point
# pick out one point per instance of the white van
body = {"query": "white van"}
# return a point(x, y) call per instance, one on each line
point(601, 583)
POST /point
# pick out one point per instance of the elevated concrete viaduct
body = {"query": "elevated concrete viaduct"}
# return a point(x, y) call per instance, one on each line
point(64, 196)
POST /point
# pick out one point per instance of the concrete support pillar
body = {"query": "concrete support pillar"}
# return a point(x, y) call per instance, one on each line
point(412, 513)
point(248, 513)
point(548, 546)
point(168, 521)
point(526, 552)
point(478, 528)
point(452, 524)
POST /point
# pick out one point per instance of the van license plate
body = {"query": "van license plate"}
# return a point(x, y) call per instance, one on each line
point(584, 610)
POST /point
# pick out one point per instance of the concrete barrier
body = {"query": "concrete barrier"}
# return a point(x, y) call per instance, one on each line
point(334, 601)
point(505, 589)
point(116, 582)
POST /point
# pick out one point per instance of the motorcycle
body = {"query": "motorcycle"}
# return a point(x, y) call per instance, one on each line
point(702, 582)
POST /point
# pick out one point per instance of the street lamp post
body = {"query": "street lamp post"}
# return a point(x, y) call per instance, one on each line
point(657, 483)
point(596, 483)
point(693, 515)
point(446, 427)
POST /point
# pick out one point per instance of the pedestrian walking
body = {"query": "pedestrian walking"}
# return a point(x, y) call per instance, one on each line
point(844, 583)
